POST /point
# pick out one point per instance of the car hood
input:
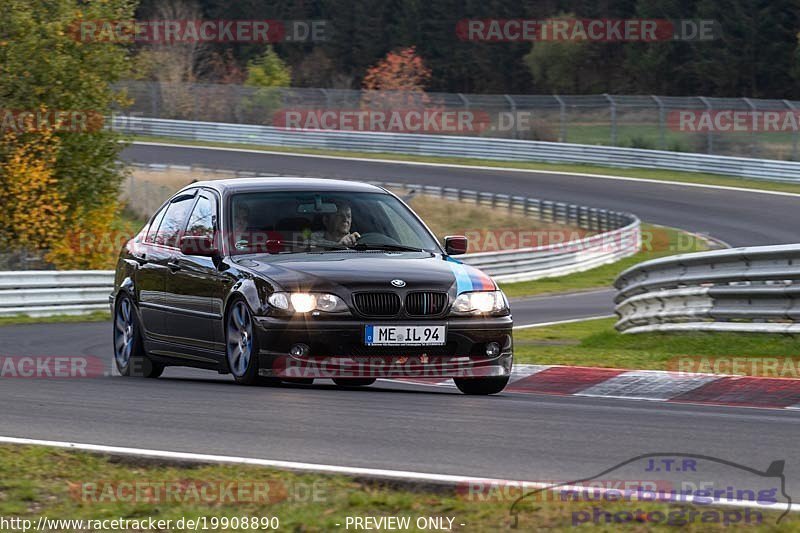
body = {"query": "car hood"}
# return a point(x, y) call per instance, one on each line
point(357, 271)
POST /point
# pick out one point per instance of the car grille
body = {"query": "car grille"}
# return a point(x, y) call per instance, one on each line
point(377, 303)
point(425, 303)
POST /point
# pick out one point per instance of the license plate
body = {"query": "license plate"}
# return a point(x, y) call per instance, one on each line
point(380, 335)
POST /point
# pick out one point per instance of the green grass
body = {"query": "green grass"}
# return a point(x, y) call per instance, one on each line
point(659, 175)
point(40, 481)
point(657, 242)
point(96, 316)
point(597, 343)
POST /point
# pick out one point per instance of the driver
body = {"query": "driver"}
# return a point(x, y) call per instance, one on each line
point(337, 226)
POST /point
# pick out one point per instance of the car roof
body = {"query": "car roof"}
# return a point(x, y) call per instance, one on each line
point(285, 183)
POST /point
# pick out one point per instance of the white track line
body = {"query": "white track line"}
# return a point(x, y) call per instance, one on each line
point(568, 321)
point(444, 479)
point(476, 167)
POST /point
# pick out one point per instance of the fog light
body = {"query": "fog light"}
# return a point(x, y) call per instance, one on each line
point(492, 349)
point(299, 350)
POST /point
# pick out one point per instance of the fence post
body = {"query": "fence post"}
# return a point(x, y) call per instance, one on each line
point(791, 107)
point(710, 135)
point(513, 106)
point(153, 99)
point(562, 134)
point(662, 138)
point(752, 130)
point(613, 111)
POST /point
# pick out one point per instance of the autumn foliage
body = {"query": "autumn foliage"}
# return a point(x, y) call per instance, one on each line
point(33, 212)
point(35, 221)
point(403, 70)
point(396, 81)
point(93, 241)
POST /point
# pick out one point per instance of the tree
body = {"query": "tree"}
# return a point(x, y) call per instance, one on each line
point(268, 70)
point(33, 214)
point(45, 65)
point(172, 65)
point(397, 81)
point(265, 74)
point(556, 67)
point(402, 70)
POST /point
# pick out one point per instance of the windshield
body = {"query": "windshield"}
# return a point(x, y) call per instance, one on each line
point(315, 221)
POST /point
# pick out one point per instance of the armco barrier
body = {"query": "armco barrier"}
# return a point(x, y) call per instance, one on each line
point(468, 147)
point(617, 235)
point(754, 289)
point(50, 292)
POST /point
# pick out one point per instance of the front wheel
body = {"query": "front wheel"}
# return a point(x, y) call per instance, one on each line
point(241, 345)
point(129, 353)
point(481, 386)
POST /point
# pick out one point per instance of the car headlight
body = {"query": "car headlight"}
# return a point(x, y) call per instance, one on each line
point(480, 302)
point(304, 302)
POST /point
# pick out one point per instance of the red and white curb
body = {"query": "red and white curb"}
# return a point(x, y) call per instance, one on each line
point(651, 385)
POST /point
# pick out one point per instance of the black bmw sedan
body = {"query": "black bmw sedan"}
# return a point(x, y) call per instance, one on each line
point(294, 279)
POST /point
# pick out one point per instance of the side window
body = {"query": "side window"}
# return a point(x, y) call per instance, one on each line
point(153, 230)
point(203, 218)
point(173, 223)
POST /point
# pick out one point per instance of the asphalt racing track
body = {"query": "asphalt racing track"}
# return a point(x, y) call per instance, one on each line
point(408, 427)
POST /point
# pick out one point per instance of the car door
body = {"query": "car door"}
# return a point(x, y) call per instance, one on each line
point(153, 273)
point(194, 285)
point(150, 277)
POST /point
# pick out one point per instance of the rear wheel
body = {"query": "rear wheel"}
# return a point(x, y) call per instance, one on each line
point(129, 353)
point(241, 346)
point(481, 386)
point(358, 382)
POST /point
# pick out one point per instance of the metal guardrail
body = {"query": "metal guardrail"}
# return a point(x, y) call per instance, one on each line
point(466, 147)
point(754, 289)
point(619, 235)
point(42, 293)
point(636, 121)
point(50, 292)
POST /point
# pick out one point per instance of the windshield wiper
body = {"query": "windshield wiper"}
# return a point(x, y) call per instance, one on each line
point(299, 246)
point(389, 247)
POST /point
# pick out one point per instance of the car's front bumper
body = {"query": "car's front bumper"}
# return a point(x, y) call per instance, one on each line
point(337, 349)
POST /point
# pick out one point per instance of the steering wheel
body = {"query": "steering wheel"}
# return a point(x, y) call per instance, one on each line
point(376, 238)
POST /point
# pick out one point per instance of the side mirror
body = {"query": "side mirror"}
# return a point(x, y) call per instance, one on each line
point(455, 244)
point(198, 245)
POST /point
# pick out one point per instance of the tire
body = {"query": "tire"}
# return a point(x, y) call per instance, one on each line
point(129, 353)
point(357, 382)
point(481, 386)
point(241, 344)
